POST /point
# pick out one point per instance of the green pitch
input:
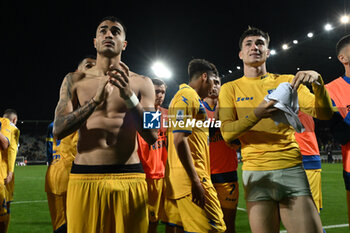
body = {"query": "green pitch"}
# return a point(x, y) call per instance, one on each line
point(30, 211)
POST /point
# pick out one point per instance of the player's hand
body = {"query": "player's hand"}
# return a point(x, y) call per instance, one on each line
point(119, 77)
point(103, 90)
point(265, 109)
point(305, 77)
point(9, 178)
point(198, 193)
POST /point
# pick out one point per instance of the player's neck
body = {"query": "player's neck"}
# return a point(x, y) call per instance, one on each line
point(196, 85)
point(347, 70)
point(253, 72)
point(211, 101)
point(103, 63)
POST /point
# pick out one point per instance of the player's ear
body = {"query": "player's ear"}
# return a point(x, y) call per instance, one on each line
point(240, 54)
point(125, 44)
point(343, 59)
point(204, 76)
point(268, 53)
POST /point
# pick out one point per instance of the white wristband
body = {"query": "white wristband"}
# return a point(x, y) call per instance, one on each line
point(132, 102)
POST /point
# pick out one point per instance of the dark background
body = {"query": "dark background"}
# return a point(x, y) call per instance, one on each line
point(41, 43)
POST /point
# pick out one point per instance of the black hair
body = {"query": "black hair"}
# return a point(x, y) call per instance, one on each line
point(87, 56)
point(342, 43)
point(113, 19)
point(158, 82)
point(196, 67)
point(252, 31)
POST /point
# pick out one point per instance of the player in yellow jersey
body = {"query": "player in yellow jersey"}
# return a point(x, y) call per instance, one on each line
point(60, 155)
point(107, 191)
point(8, 160)
point(275, 183)
point(191, 200)
point(5, 137)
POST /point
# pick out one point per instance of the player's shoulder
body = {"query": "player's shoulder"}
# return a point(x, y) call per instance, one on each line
point(75, 76)
point(282, 77)
point(139, 80)
point(334, 82)
point(13, 126)
point(5, 121)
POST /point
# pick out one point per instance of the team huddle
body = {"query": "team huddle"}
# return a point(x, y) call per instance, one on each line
point(107, 173)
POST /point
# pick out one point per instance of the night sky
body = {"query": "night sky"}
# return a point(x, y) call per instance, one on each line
point(41, 43)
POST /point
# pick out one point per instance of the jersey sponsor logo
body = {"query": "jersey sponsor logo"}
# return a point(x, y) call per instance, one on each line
point(244, 98)
point(151, 120)
point(270, 91)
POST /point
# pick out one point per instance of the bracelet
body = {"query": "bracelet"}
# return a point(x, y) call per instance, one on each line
point(132, 102)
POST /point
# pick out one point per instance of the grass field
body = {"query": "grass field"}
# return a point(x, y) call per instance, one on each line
point(30, 212)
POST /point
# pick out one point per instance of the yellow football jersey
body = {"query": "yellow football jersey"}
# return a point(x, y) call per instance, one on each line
point(186, 114)
point(265, 145)
point(63, 154)
point(8, 156)
point(66, 148)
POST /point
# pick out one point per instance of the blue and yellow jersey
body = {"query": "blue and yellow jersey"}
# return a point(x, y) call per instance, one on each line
point(49, 143)
point(61, 149)
point(186, 114)
point(11, 151)
point(265, 145)
point(6, 130)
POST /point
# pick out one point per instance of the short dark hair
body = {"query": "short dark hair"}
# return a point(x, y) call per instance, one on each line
point(87, 56)
point(8, 112)
point(113, 19)
point(342, 43)
point(196, 67)
point(158, 82)
point(252, 31)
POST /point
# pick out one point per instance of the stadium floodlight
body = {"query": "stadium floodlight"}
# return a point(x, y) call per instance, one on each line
point(272, 52)
point(345, 19)
point(285, 46)
point(238, 67)
point(230, 71)
point(295, 41)
point(329, 58)
point(328, 27)
point(298, 68)
point(310, 35)
point(161, 70)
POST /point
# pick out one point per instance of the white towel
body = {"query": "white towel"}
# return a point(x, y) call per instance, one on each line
point(287, 102)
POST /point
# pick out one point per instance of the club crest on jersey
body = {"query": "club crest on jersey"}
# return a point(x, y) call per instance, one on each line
point(180, 115)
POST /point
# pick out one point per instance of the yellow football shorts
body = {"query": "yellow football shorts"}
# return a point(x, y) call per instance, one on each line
point(99, 202)
point(314, 177)
point(4, 211)
point(227, 194)
point(155, 202)
point(57, 207)
point(184, 213)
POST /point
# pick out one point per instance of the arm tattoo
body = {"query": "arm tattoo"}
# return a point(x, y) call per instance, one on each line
point(67, 124)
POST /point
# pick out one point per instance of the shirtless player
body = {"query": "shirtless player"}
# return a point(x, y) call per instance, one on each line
point(107, 190)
